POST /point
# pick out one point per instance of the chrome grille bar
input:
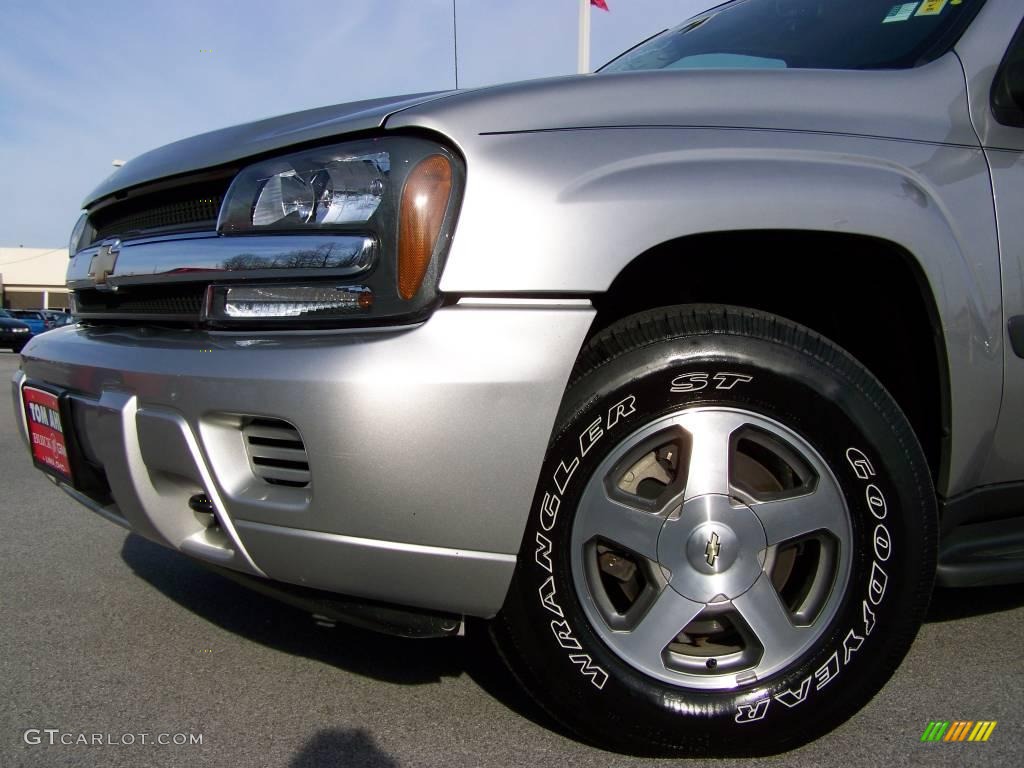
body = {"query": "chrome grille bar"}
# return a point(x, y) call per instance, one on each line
point(191, 259)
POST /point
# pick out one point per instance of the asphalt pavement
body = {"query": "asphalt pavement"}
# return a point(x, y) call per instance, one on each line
point(106, 638)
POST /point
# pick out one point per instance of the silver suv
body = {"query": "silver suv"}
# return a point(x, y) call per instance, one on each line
point(688, 375)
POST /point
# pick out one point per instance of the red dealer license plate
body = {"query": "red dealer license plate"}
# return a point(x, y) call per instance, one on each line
point(46, 432)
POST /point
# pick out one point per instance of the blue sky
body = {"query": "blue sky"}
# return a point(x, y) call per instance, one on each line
point(82, 83)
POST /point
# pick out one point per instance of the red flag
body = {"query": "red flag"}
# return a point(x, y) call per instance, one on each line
point(600, 4)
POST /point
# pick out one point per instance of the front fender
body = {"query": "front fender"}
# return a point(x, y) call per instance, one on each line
point(566, 211)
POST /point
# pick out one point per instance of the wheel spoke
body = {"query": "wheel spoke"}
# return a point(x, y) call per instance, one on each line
point(696, 516)
point(667, 617)
point(762, 609)
point(634, 529)
point(785, 519)
point(709, 453)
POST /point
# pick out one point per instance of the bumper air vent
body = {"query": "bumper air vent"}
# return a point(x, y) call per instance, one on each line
point(276, 452)
point(172, 302)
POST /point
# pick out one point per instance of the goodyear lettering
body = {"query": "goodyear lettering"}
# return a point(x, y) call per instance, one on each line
point(878, 579)
point(851, 643)
point(791, 698)
point(876, 584)
point(869, 617)
point(883, 543)
point(828, 671)
point(751, 713)
point(861, 466)
point(876, 502)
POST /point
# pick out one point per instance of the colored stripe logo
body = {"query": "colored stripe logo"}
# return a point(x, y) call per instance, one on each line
point(958, 730)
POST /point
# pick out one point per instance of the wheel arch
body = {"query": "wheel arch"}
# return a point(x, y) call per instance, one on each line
point(912, 364)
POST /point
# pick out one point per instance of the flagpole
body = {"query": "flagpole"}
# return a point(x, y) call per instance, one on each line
point(455, 38)
point(583, 59)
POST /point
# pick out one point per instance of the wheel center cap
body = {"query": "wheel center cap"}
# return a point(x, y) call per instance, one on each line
point(712, 548)
point(715, 549)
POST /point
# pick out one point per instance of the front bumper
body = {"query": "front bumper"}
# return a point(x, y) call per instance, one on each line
point(423, 443)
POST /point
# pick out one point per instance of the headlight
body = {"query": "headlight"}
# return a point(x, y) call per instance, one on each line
point(398, 192)
point(21, 330)
point(320, 189)
point(81, 235)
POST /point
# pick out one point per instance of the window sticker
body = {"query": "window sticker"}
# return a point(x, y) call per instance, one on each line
point(932, 7)
point(900, 12)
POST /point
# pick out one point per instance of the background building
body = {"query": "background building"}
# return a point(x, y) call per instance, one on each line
point(33, 278)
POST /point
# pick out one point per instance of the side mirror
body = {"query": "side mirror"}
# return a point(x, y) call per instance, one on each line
point(1015, 83)
point(1008, 93)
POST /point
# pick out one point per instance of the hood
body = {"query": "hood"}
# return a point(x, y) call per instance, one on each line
point(10, 322)
point(228, 145)
point(927, 103)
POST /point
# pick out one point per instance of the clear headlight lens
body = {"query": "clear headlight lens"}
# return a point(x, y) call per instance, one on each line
point(319, 188)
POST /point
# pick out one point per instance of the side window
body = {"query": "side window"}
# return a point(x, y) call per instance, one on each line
point(1008, 88)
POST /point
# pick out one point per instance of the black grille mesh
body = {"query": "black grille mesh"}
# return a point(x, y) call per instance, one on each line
point(183, 302)
point(183, 213)
point(190, 207)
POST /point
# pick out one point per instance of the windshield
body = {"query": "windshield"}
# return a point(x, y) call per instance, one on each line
point(807, 34)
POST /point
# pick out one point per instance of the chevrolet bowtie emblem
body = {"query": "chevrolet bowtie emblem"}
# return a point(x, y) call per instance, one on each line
point(711, 550)
point(102, 264)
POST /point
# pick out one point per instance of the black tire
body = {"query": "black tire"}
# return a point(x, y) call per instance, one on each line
point(785, 374)
point(16, 349)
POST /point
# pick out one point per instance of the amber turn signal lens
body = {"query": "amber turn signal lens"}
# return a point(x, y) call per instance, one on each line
point(424, 202)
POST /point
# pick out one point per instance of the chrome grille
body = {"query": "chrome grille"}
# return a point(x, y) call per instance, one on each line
point(276, 452)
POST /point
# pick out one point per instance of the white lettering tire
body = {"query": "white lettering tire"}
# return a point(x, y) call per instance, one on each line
point(732, 543)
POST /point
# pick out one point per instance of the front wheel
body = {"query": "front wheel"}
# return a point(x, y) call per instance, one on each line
point(732, 543)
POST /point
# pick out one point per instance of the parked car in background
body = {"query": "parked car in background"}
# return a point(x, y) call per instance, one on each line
point(56, 318)
point(53, 315)
point(34, 318)
point(13, 332)
point(689, 376)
